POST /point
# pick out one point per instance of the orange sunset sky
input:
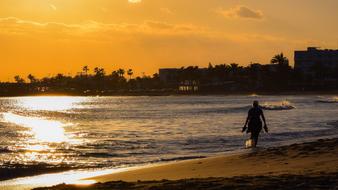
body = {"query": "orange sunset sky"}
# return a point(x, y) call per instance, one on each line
point(45, 37)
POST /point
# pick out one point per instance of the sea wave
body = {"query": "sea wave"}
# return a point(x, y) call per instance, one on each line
point(181, 158)
point(333, 123)
point(253, 95)
point(102, 155)
point(218, 110)
point(282, 105)
point(10, 170)
point(109, 132)
point(328, 100)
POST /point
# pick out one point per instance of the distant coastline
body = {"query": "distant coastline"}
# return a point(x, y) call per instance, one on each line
point(173, 93)
point(223, 79)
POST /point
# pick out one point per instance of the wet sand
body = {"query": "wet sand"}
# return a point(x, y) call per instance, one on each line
point(312, 165)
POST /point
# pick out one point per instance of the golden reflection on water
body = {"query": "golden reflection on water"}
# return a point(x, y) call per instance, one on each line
point(71, 177)
point(37, 148)
point(84, 182)
point(42, 136)
point(49, 103)
point(43, 130)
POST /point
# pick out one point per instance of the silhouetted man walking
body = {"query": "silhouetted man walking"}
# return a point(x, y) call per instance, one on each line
point(255, 123)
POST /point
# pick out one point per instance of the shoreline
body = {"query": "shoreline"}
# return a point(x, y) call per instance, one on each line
point(314, 162)
point(323, 181)
point(308, 157)
point(152, 94)
point(28, 173)
point(304, 161)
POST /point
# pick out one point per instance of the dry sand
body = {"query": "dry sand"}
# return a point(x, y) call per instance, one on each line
point(311, 165)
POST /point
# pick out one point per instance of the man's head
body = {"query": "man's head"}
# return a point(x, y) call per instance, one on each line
point(255, 104)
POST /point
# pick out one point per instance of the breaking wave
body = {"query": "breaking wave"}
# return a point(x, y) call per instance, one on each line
point(283, 105)
point(329, 100)
point(180, 158)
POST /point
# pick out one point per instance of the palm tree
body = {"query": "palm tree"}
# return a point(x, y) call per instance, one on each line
point(85, 69)
point(210, 67)
point(99, 72)
point(280, 59)
point(31, 78)
point(18, 79)
point(60, 76)
point(121, 72)
point(115, 74)
point(130, 73)
point(234, 67)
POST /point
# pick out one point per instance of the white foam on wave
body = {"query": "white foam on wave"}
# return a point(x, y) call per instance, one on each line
point(282, 105)
point(253, 95)
point(329, 100)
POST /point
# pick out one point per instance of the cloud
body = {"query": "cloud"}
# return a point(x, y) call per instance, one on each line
point(95, 30)
point(41, 47)
point(105, 32)
point(134, 1)
point(241, 12)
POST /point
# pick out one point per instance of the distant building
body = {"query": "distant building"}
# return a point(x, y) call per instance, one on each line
point(169, 75)
point(193, 79)
point(189, 86)
point(186, 80)
point(306, 60)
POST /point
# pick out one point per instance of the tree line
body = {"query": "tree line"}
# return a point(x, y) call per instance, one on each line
point(97, 82)
point(278, 76)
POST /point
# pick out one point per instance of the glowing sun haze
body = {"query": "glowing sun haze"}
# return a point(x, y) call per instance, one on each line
point(45, 37)
point(134, 1)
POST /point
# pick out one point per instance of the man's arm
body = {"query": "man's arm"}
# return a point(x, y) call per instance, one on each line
point(246, 122)
point(265, 126)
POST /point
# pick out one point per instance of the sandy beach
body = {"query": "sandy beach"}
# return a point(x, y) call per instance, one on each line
point(304, 166)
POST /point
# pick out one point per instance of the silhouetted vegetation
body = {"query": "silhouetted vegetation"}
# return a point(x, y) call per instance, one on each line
point(220, 78)
point(85, 83)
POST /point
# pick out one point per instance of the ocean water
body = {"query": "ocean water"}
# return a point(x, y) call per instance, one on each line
point(114, 132)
